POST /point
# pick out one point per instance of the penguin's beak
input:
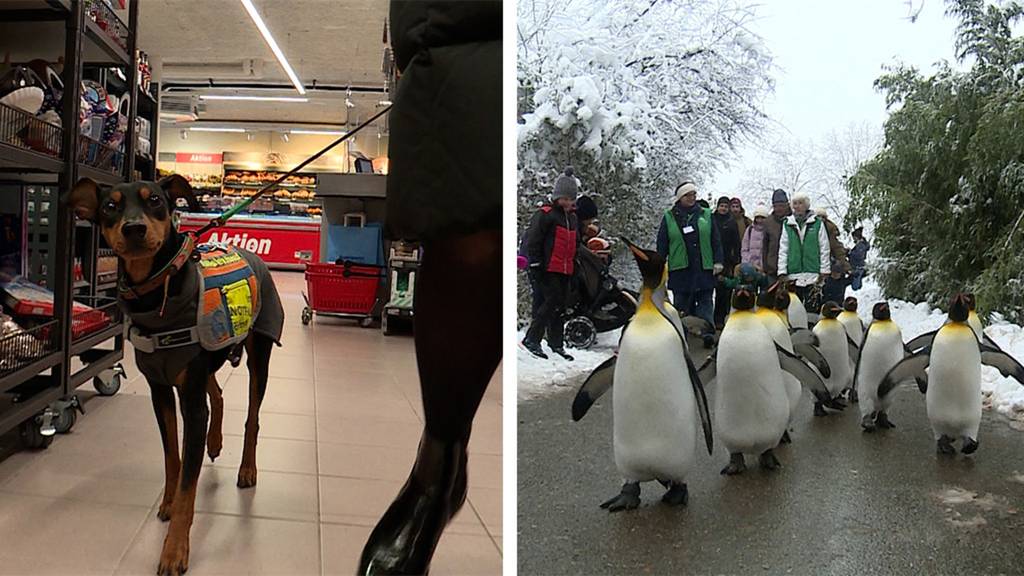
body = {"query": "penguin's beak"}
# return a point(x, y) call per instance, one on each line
point(638, 253)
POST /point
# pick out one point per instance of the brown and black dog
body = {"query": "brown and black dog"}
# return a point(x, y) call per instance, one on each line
point(135, 219)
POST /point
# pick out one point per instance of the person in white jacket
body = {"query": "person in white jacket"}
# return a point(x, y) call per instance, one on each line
point(803, 248)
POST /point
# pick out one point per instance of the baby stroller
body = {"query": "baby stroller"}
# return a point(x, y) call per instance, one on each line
point(596, 302)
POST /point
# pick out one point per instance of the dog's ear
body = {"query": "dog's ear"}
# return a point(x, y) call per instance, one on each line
point(84, 199)
point(176, 186)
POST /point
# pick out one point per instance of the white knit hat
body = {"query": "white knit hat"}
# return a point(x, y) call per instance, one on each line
point(760, 211)
point(683, 190)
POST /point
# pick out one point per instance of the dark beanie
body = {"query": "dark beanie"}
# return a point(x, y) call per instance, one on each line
point(722, 200)
point(586, 208)
point(565, 185)
point(779, 196)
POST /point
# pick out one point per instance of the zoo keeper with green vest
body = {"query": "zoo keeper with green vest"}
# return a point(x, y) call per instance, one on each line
point(689, 240)
point(803, 248)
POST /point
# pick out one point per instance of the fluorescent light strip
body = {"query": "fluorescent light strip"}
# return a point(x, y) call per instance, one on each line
point(273, 45)
point(255, 98)
point(205, 129)
point(330, 132)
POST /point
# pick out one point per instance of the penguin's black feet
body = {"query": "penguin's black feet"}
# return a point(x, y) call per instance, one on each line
point(969, 445)
point(535, 349)
point(819, 409)
point(852, 396)
point(677, 494)
point(785, 438)
point(769, 461)
point(836, 403)
point(403, 541)
point(628, 499)
point(736, 465)
point(882, 420)
point(944, 446)
point(868, 422)
point(561, 352)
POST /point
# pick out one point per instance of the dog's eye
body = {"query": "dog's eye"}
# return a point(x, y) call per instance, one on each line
point(110, 206)
point(155, 200)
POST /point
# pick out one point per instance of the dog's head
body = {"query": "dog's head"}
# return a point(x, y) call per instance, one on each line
point(134, 218)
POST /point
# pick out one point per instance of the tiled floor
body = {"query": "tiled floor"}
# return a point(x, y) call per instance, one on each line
point(338, 435)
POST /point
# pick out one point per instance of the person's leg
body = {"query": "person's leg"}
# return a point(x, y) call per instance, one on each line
point(723, 298)
point(458, 347)
point(541, 322)
point(704, 308)
point(556, 329)
point(536, 292)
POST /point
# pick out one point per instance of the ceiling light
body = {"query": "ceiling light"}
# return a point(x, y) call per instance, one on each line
point(330, 132)
point(284, 136)
point(384, 103)
point(208, 129)
point(249, 136)
point(255, 98)
point(258, 21)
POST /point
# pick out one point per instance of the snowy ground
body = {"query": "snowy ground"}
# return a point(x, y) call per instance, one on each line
point(541, 377)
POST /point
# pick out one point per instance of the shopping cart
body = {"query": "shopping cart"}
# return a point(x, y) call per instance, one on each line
point(347, 290)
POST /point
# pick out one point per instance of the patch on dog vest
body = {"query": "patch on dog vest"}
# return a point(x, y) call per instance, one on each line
point(228, 296)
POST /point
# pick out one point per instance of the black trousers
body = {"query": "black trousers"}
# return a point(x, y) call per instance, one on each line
point(551, 313)
point(723, 300)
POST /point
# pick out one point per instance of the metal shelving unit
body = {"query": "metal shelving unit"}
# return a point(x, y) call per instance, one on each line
point(32, 394)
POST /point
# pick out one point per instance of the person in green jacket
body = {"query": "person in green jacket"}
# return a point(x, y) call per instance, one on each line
point(803, 248)
point(689, 240)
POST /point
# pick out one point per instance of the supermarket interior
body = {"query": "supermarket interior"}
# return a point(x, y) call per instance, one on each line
point(231, 95)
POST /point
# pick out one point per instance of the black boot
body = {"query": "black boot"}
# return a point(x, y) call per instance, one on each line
point(534, 349)
point(561, 352)
point(403, 541)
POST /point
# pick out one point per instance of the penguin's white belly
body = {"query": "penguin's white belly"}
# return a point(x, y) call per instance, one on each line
point(853, 326)
point(751, 404)
point(882, 350)
point(780, 334)
point(796, 312)
point(833, 346)
point(954, 384)
point(655, 411)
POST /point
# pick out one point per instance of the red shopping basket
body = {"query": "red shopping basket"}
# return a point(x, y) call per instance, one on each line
point(347, 288)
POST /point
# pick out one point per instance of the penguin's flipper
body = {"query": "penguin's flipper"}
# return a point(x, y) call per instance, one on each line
point(1006, 364)
point(921, 341)
point(803, 336)
point(813, 355)
point(696, 325)
point(599, 381)
point(698, 388)
point(702, 403)
point(854, 350)
point(912, 366)
point(988, 341)
point(709, 369)
point(809, 378)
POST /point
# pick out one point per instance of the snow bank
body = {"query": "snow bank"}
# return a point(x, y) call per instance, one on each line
point(539, 377)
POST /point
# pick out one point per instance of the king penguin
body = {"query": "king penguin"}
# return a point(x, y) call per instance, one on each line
point(840, 352)
point(952, 385)
point(771, 311)
point(881, 349)
point(851, 320)
point(973, 320)
point(658, 401)
point(751, 403)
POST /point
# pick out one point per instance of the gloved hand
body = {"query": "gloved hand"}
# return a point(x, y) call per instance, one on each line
point(718, 269)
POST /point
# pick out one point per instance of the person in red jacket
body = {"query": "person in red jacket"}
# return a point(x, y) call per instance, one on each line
point(551, 251)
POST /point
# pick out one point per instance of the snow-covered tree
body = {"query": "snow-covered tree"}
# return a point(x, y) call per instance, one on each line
point(636, 95)
point(818, 168)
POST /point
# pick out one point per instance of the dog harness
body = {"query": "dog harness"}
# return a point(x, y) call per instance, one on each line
point(228, 303)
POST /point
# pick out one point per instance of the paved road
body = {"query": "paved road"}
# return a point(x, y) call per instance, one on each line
point(843, 503)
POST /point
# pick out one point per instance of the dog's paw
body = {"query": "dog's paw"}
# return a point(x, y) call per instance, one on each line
point(213, 449)
point(246, 477)
point(165, 510)
point(174, 558)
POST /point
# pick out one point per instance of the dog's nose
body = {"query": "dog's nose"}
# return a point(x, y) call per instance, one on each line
point(134, 231)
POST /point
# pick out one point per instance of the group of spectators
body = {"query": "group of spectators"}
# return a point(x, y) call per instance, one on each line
point(710, 252)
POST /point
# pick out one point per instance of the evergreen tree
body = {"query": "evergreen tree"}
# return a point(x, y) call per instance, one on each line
point(947, 188)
